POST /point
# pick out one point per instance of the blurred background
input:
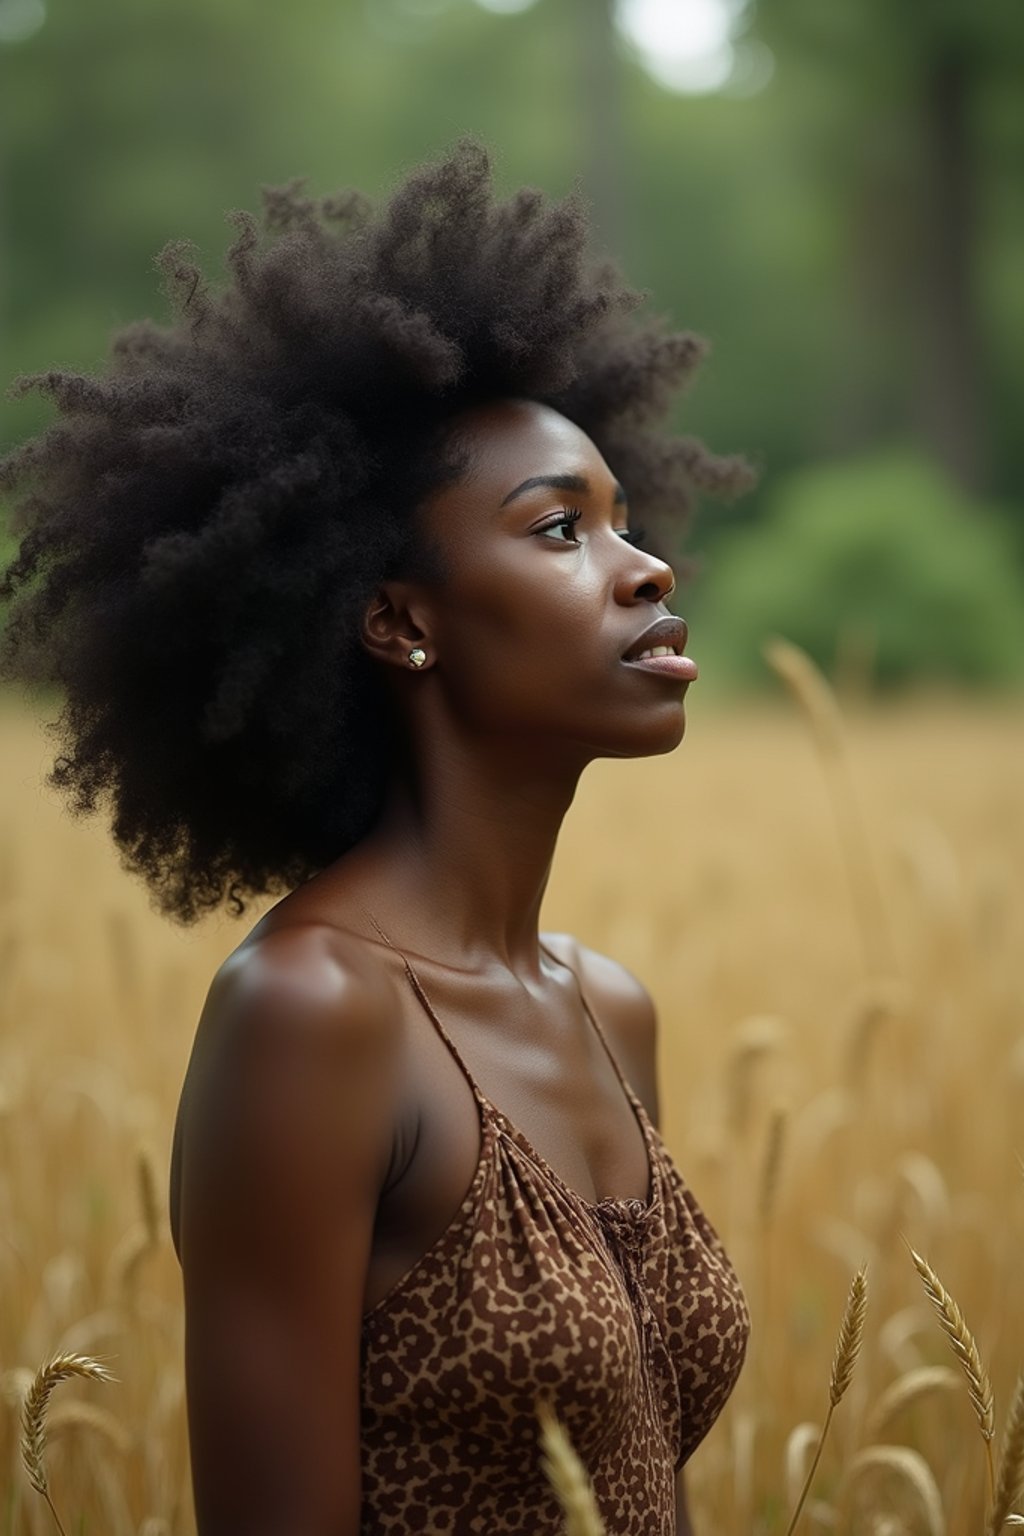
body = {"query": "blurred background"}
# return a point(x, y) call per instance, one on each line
point(824, 902)
point(833, 195)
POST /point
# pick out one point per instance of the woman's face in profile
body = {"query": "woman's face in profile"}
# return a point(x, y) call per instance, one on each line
point(544, 593)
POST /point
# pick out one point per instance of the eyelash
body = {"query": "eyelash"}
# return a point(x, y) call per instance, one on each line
point(572, 515)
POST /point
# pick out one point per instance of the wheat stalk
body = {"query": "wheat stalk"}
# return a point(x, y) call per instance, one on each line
point(149, 1201)
point(768, 1185)
point(567, 1476)
point(851, 1331)
point(801, 1440)
point(1010, 1483)
point(143, 1237)
point(952, 1323)
point(811, 691)
point(34, 1409)
point(755, 1038)
point(771, 1164)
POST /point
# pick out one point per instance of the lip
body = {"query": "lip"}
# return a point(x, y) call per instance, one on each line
point(681, 667)
point(669, 630)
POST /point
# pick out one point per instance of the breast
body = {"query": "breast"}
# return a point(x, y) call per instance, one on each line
point(699, 1306)
point(627, 1318)
point(520, 1300)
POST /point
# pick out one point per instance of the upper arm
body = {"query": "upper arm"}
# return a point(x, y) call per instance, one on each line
point(284, 1139)
point(626, 1013)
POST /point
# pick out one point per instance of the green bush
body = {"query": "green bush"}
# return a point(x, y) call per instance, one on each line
point(882, 553)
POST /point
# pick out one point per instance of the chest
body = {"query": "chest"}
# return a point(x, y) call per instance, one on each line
point(547, 1071)
point(630, 1322)
point(549, 1075)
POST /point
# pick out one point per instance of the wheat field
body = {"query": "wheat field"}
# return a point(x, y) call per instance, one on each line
point(831, 922)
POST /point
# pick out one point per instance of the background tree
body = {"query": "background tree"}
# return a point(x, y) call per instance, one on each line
point(842, 216)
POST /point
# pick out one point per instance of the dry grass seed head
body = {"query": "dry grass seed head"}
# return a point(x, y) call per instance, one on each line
point(952, 1323)
point(755, 1038)
point(921, 1175)
point(809, 688)
point(37, 1401)
point(1010, 1483)
point(851, 1331)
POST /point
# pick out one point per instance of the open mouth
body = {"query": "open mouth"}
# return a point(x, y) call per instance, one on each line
point(664, 652)
point(681, 668)
point(657, 650)
point(665, 638)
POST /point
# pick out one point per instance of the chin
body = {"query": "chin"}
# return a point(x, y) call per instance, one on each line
point(670, 740)
point(654, 741)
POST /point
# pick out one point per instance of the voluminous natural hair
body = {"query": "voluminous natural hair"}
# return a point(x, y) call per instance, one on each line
point(201, 528)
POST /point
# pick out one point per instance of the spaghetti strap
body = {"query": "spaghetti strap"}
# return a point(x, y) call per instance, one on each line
point(599, 1032)
point(483, 1103)
point(619, 1312)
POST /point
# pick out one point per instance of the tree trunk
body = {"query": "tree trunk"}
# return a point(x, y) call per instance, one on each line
point(602, 123)
point(949, 406)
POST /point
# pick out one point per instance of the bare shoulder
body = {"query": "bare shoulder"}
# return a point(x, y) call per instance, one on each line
point(309, 984)
point(306, 997)
point(300, 1039)
point(624, 1008)
point(283, 1143)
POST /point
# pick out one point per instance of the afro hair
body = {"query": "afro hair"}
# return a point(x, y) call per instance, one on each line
point(201, 528)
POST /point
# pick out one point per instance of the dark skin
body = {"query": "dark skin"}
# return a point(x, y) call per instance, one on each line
point(326, 1137)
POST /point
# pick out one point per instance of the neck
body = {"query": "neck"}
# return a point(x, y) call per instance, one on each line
point(459, 861)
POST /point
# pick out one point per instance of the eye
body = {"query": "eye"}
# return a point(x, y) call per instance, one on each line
point(632, 535)
point(565, 520)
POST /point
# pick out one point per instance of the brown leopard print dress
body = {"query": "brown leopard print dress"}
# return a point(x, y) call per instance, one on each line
point(625, 1315)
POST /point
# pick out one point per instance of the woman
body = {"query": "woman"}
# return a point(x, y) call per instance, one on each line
point(340, 580)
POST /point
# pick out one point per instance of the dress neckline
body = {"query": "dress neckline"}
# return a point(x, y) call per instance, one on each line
point(624, 1205)
point(621, 1206)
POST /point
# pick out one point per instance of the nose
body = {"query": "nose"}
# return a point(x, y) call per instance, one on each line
point(645, 578)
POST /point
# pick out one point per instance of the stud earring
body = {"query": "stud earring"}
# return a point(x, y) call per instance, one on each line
point(417, 657)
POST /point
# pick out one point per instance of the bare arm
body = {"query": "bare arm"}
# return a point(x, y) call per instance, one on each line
point(285, 1137)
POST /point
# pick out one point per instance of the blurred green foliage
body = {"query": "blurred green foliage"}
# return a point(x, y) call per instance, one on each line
point(849, 234)
point(880, 563)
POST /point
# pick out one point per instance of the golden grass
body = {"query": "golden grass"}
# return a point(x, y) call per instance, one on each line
point(723, 876)
point(851, 1332)
point(1010, 1483)
point(35, 1415)
point(567, 1476)
point(979, 1386)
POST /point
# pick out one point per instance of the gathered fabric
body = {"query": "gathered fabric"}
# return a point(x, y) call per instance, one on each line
point(624, 1314)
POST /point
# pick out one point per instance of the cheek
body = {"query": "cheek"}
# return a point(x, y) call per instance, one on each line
point(508, 640)
point(535, 624)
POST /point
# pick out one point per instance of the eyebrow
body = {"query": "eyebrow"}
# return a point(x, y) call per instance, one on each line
point(561, 483)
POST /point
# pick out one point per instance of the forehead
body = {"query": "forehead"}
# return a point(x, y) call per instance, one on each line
point(509, 441)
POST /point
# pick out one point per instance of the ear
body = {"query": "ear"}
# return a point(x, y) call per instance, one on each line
point(394, 623)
